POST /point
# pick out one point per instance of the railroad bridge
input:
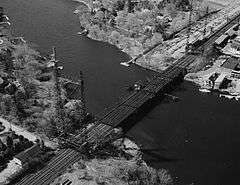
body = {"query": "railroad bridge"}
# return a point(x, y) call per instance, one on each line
point(120, 113)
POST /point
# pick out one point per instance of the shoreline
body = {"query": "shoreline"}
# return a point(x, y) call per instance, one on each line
point(148, 58)
point(175, 47)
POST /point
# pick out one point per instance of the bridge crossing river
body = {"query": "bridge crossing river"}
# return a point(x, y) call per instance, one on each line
point(119, 114)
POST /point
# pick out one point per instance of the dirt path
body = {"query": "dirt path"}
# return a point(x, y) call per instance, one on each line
point(30, 136)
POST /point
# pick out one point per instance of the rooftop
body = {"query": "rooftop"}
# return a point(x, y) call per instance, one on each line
point(231, 63)
point(29, 153)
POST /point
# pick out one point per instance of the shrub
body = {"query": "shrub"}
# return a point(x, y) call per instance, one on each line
point(164, 177)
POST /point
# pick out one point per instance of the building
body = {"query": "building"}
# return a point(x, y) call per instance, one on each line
point(23, 157)
point(235, 74)
point(235, 43)
point(221, 41)
point(232, 63)
point(219, 80)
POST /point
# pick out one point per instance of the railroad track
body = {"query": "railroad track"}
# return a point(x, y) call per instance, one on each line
point(121, 110)
point(57, 165)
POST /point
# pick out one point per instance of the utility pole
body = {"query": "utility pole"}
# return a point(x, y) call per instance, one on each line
point(205, 28)
point(56, 74)
point(189, 27)
point(1, 13)
point(129, 5)
point(83, 98)
point(205, 23)
point(238, 20)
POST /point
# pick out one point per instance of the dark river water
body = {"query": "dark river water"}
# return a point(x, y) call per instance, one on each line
point(196, 138)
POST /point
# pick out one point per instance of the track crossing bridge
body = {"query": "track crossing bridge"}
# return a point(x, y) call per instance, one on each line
point(119, 114)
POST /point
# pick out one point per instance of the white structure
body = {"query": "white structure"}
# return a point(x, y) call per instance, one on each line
point(219, 80)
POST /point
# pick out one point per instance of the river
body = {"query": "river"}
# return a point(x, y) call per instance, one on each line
point(196, 138)
point(47, 23)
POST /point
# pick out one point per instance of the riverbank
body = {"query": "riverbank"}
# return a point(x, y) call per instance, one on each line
point(219, 71)
point(31, 91)
point(138, 30)
point(117, 170)
point(225, 83)
point(165, 53)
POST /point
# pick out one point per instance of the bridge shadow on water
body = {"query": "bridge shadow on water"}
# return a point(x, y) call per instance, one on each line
point(143, 111)
point(154, 155)
point(157, 157)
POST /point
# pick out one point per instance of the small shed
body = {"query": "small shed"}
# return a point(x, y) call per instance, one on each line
point(23, 157)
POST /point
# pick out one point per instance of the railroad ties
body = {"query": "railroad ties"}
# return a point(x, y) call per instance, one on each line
point(54, 168)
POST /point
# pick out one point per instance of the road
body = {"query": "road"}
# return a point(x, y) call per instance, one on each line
point(30, 136)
